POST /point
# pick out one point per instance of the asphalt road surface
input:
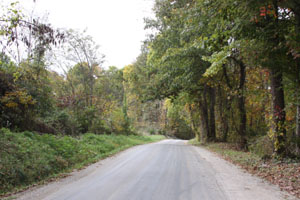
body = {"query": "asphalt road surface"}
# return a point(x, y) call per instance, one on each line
point(167, 170)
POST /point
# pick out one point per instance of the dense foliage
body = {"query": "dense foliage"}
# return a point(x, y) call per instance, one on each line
point(228, 70)
point(82, 98)
point(218, 70)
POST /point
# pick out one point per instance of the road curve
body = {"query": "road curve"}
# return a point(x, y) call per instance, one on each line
point(167, 170)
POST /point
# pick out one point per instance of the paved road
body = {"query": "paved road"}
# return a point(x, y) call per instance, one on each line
point(167, 170)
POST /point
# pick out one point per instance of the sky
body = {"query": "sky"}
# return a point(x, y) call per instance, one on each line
point(116, 25)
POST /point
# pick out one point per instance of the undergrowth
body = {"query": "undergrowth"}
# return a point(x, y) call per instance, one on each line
point(27, 158)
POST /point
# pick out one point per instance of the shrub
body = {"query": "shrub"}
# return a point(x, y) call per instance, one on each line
point(261, 146)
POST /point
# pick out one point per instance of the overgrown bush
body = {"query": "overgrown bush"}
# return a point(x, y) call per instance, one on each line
point(261, 146)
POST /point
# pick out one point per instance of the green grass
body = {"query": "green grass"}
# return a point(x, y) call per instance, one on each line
point(229, 152)
point(194, 142)
point(28, 158)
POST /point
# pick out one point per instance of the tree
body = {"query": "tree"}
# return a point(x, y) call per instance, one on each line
point(30, 95)
point(83, 51)
point(207, 49)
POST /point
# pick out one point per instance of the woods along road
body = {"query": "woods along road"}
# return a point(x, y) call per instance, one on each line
point(167, 170)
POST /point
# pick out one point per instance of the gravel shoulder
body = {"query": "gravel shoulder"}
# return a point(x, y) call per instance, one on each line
point(240, 185)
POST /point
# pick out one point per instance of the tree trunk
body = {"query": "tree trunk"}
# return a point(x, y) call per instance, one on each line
point(278, 105)
point(212, 124)
point(241, 106)
point(278, 111)
point(204, 124)
point(225, 120)
point(227, 106)
point(193, 123)
point(297, 132)
point(204, 121)
point(223, 111)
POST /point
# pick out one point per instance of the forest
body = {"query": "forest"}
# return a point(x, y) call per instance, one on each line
point(217, 71)
point(226, 71)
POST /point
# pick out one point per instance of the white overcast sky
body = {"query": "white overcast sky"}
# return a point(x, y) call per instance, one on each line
point(116, 25)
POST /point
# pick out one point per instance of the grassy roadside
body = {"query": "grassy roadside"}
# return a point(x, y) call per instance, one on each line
point(285, 174)
point(28, 158)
